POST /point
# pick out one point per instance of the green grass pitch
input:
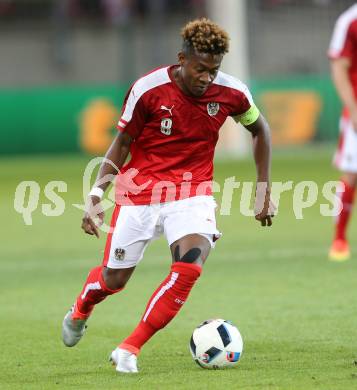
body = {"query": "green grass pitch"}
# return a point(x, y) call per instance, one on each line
point(295, 309)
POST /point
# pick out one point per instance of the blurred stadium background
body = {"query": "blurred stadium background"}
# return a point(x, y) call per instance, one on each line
point(64, 68)
point(66, 64)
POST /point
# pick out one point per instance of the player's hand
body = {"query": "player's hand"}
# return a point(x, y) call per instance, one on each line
point(93, 217)
point(264, 207)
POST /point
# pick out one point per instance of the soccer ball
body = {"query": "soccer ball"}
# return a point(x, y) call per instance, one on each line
point(216, 344)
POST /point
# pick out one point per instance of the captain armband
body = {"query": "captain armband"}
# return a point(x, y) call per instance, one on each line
point(249, 116)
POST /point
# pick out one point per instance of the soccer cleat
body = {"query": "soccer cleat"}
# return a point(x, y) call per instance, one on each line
point(72, 330)
point(124, 360)
point(339, 251)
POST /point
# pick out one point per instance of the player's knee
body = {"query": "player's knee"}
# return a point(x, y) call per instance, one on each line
point(116, 278)
point(194, 250)
point(193, 255)
point(354, 180)
point(350, 179)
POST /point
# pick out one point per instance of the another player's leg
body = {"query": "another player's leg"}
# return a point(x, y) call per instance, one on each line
point(340, 250)
point(188, 255)
point(100, 283)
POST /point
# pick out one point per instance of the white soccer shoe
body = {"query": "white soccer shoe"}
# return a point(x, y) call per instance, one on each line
point(124, 360)
point(72, 330)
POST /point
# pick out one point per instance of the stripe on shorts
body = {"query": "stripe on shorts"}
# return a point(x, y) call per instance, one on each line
point(344, 123)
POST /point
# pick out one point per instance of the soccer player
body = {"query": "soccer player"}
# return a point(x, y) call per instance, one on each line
point(343, 57)
point(170, 123)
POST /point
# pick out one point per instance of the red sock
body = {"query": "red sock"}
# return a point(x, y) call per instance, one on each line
point(164, 304)
point(94, 291)
point(347, 199)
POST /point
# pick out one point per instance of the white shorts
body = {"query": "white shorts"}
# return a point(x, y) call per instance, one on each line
point(345, 158)
point(135, 226)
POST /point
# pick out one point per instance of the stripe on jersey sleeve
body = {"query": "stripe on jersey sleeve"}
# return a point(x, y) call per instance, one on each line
point(229, 81)
point(249, 116)
point(340, 32)
point(252, 114)
point(121, 124)
point(144, 84)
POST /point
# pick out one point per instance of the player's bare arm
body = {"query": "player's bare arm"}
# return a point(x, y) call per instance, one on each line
point(116, 154)
point(262, 152)
point(341, 78)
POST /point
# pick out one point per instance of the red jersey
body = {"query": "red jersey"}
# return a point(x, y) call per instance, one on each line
point(344, 42)
point(174, 136)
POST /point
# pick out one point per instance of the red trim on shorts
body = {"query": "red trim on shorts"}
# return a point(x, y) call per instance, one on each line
point(108, 243)
point(345, 117)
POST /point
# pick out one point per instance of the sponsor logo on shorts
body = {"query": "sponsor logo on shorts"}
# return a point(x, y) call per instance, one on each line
point(119, 254)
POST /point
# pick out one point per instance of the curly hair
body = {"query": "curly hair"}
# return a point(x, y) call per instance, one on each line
point(205, 36)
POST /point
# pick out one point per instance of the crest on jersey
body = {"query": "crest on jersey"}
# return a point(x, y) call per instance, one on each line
point(119, 254)
point(212, 108)
point(166, 124)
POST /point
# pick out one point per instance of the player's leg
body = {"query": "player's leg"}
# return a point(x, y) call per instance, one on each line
point(99, 284)
point(189, 252)
point(193, 248)
point(94, 291)
point(121, 255)
point(188, 255)
point(340, 248)
point(346, 161)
